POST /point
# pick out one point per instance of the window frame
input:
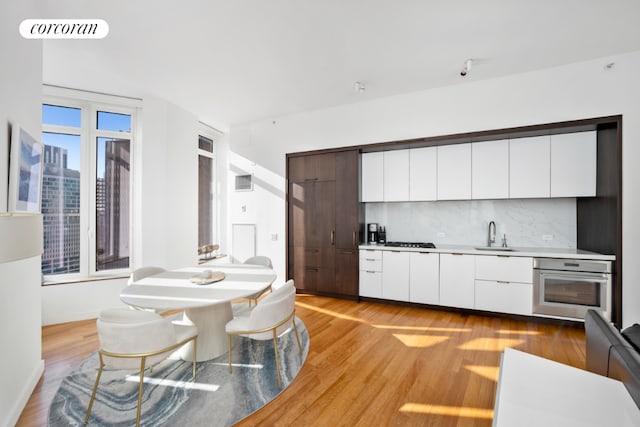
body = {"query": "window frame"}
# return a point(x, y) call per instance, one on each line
point(213, 135)
point(89, 104)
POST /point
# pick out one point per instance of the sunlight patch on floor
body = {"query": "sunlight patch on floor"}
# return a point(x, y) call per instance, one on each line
point(420, 341)
point(454, 411)
point(187, 385)
point(490, 344)
point(328, 312)
point(488, 372)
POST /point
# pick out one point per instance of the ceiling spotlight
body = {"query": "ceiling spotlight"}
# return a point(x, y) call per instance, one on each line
point(466, 68)
point(358, 87)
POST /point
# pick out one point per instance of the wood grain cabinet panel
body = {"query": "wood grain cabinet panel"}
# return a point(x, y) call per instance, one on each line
point(323, 222)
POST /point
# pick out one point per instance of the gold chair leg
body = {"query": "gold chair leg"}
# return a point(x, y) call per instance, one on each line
point(142, 362)
point(95, 388)
point(195, 349)
point(295, 328)
point(230, 369)
point(275, 349)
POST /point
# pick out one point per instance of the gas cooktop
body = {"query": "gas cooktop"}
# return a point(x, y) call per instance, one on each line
point(411, 245)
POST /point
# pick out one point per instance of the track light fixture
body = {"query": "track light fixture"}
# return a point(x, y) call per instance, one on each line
point(358, 87)
point(466, 67)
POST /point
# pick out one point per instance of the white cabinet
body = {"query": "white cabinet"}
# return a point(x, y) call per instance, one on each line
point(424, 280)
point(573, 164)
point(504, 268)
point(372, 177)
point(504, 284)
point(423, 173)
point(396, 176)
point(490, 169)
point(395, 275)
point(371, 273)
point(529, 167)
point(454, 172)
point(504, 297)
point(457, 280)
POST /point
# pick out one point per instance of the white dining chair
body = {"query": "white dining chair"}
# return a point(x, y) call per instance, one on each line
point(265, 262)
point(141, 273)
point(132, 339)
point(271, 318)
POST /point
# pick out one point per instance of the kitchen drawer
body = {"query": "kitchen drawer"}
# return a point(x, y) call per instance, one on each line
point(504, 297)
point(370, 260)
point(371, 284)
point(504, 268)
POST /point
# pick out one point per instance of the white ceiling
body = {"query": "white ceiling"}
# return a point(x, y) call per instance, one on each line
point(236, 61)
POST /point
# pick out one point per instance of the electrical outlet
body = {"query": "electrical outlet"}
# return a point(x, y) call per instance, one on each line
point(274, 236)
point(547, 237)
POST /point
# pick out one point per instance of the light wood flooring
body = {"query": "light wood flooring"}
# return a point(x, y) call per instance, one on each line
point(368, 364)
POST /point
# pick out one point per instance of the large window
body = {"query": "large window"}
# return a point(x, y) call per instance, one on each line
point(207, 224)
point(86, 194)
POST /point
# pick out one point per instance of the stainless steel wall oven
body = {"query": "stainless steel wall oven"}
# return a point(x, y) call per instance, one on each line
point(568, 288)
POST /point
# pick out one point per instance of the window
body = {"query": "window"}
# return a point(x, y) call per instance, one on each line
point(207, 225)
point(86, 192)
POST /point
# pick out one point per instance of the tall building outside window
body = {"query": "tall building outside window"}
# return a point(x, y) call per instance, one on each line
point(86, 196)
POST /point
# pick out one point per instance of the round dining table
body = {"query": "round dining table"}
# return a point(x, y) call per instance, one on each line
point(207, 306)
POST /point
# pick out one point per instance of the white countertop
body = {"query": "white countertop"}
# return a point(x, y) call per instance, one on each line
point(533, 391)
point(517, 251)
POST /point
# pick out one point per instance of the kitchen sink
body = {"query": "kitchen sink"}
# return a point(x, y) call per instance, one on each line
point(495, 248)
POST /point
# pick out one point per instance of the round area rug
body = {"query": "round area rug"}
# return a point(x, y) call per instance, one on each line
point(171, 397)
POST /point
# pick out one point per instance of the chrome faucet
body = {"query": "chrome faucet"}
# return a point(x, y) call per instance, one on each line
point(491, 238)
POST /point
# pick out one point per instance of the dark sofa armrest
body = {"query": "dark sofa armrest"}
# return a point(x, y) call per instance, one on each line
point(600, 336)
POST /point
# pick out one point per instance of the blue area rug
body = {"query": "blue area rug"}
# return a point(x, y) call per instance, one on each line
point(171, 397)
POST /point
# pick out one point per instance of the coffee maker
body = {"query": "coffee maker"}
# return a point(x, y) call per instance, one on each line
point(372, 233)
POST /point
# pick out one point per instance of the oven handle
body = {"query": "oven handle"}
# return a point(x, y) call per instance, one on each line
point(588, 276)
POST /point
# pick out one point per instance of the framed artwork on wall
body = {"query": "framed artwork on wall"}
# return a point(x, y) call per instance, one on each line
point(25, 172)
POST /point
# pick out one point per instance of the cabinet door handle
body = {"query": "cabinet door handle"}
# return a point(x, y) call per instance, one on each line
point(312, 270)
point(457, 254)
point(353, 238)
point(333, 237)
point(346, 252)
point(369, 259)
point(311, 179)
point(502, 282)
point(315, 251)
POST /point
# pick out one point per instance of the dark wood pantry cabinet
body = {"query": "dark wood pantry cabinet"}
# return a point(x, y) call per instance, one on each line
point(323, 222)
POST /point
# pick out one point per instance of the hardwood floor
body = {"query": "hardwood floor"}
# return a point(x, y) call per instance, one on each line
point(368, 364)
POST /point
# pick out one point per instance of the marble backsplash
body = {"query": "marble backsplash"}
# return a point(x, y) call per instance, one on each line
point(544, 223)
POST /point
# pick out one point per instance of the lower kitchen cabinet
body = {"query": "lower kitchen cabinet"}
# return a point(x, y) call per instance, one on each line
point(370, 284)
point(346, 263)
point(370, 273)
point(503, 297)
point(457, 280)
point(424, 280)
point(395, 275)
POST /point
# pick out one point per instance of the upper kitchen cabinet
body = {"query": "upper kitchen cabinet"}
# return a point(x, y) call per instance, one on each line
point(395, 176)
point(372, 177)
point(315, 167)
point(490, 170)
point(454, 172)
point(529, 167)
point(423, 173)
point(573, 164)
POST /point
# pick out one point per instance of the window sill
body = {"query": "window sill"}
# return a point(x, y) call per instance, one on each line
point(68, 281)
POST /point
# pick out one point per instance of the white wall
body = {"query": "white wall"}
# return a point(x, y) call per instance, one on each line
point(570, 92)
point(20, 318)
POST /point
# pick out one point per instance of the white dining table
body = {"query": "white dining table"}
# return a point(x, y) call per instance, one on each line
point(206, 306)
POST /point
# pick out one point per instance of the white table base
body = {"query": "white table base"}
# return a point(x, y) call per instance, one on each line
point(212, 337)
